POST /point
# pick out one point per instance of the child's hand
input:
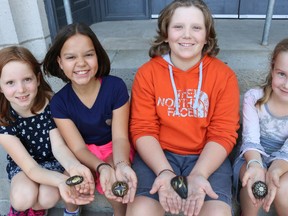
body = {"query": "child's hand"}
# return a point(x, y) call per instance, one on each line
point(88, 185)
point(168, 198)
point(125, 173)
point(273, 183)
point(198, 188)
point(107, 178)
point(70, 195)
point(253, 174)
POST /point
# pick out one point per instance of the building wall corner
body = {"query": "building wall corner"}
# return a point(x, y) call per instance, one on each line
point(25, 24)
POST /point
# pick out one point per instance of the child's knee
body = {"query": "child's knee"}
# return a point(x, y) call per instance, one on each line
point(22, 200)
point(48, 196)
point(282, 191)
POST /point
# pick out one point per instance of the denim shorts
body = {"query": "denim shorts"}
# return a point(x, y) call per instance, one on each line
point(220, 180)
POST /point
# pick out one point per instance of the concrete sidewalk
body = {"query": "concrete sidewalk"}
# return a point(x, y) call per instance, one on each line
point(127, 44)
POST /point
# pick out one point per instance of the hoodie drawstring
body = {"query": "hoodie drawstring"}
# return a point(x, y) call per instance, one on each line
point(196, 102)
point(176, 100)
point(174, 90)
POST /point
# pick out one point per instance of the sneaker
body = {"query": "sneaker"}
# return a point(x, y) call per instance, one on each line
point(13, 212)
point(77, 213)
point(42, 212)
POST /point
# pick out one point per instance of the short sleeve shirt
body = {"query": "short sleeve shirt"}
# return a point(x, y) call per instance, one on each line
point(33, 132)
point(94, 124)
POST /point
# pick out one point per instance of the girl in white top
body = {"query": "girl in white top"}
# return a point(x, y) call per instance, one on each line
point(264, 150)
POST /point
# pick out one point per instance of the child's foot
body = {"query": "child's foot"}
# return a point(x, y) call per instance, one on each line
point(42, 212)
point(13, 212)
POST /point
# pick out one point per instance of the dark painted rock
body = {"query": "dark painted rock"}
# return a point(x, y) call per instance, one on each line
point(120, 189)
point(259, 190)
point(74, 180)
point(179, 184)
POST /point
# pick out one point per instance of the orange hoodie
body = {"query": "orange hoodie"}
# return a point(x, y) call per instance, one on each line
point(182, 123)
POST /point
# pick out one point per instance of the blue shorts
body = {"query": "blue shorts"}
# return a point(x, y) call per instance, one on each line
point(220, 180)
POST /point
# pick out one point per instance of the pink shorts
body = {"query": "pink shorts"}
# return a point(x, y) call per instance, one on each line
point(103, 152)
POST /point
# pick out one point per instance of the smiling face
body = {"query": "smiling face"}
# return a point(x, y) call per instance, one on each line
point(280, 77)
point(186, 36)
point(19, 85)
point(78, 59)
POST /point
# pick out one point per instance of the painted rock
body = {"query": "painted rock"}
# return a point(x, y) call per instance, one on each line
point(74, 180)
point(120, 189)
point(179, 184)
point(259, 189)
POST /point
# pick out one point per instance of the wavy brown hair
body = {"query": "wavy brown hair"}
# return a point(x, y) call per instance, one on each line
point(282, 46)
point(50, 63)
point(21, 54)
point(160, 47)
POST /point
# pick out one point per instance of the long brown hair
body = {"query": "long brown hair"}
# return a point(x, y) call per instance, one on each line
point(282, 46)
point(21, 54)
point(160, 47)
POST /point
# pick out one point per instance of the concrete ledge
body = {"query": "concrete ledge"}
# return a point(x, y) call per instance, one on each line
point(4, 207)
point(99, 205)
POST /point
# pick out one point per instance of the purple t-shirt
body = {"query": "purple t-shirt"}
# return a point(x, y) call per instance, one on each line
point(94, 124)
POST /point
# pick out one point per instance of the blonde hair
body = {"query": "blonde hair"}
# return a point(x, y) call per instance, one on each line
point(282, 46)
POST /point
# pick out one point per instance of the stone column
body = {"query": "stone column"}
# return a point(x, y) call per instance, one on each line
point(24, 23)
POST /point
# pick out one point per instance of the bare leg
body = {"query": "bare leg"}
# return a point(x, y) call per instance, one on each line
point(215, 208)
point(143, 206)
point(281, 199)
point(47, 198)
point(118, 208)
point(23, 187)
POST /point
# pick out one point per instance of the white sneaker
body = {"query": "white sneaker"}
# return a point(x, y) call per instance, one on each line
point(78, 213)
